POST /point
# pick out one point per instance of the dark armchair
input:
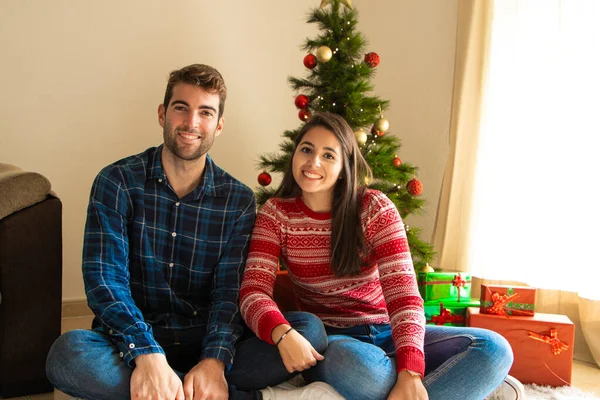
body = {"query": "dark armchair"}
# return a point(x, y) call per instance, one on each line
point(30, 280)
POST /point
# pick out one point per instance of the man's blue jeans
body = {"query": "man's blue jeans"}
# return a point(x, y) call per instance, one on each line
point(87, 365)
point(461, 363)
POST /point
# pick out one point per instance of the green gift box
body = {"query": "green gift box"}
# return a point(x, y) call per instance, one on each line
point(450, 313)
point(445, 286)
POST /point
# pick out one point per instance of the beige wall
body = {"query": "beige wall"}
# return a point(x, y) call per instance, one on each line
point(81, 81)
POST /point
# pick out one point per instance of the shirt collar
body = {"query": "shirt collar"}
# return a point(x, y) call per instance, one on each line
point(208, 184)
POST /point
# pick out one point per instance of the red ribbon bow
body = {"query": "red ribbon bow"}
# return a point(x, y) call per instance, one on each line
point(500, 302)
point(555, 344)
point(446, 316)
point(459, 282)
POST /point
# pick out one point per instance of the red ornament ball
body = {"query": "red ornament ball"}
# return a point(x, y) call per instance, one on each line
point(301, 101)
point(414, 187)
point(374, 131)
point(264, 178)
point(304, 114)
point(372, 59)
point(397, 162)
point(310, 61)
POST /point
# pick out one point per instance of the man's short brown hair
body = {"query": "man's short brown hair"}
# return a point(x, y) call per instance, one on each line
point(199, 75)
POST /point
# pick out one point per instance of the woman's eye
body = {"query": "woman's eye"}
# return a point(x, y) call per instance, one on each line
point(329, 156)
point(305, 150)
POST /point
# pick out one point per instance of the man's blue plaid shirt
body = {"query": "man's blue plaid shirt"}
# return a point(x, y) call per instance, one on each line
point(152, 259)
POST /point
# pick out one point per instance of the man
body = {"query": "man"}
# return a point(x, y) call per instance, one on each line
point(165, 245)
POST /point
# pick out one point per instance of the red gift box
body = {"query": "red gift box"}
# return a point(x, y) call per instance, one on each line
point(507, 300)
point(542, 344)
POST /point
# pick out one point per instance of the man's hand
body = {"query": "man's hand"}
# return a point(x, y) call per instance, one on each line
point(296, 352)
point(154, 379)
point(408, 387)
point(206, 381)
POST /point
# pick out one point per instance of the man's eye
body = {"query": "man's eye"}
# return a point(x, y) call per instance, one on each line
point(180, 108)
point(207, 113)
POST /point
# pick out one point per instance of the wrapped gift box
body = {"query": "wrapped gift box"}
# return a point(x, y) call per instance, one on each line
point(507, 300)
point(448, 313)
point(542, 344)
point(445, 286)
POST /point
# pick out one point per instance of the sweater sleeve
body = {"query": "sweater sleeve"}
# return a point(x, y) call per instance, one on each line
point(387, 238)
point(257, 306)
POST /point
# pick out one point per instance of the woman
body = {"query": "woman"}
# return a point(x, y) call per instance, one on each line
point(346, 252)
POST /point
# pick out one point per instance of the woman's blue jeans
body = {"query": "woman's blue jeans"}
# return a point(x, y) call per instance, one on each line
point(461, 363)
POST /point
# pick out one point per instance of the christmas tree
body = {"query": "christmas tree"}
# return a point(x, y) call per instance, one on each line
point(338, 80)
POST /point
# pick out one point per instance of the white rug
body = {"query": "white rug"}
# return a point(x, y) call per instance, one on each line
point(535, 392)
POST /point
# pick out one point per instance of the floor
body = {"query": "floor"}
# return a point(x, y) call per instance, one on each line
point(585, 376)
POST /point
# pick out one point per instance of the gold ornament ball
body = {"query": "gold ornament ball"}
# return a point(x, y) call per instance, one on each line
point(427, 268)
point(324, 54)
point(361, 136)
point(382, 125)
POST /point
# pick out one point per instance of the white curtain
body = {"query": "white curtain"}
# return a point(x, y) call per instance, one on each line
point(536, 202)
point(535, 216)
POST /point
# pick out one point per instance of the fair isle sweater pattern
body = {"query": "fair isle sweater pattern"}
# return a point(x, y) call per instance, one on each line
point(385, 292)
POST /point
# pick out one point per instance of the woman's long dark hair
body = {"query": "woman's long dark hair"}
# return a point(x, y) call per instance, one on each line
point(347, 237)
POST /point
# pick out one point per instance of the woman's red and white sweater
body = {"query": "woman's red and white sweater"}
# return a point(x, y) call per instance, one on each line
point(385, 292)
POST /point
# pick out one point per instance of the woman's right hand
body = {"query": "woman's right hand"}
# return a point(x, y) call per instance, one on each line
point(296, 352)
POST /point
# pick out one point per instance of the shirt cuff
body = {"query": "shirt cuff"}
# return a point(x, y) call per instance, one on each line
point(132, 346)
point(411, 359)
point(223, 354)
point(267, 323)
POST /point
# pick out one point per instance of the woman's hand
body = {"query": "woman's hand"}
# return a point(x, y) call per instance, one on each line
point(296, 352)
point(408, 387)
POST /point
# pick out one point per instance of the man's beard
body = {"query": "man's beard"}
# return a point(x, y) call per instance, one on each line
point(206, 142)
